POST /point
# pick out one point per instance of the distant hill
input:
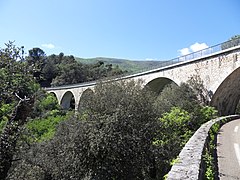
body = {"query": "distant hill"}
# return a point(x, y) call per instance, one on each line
point(124, 64)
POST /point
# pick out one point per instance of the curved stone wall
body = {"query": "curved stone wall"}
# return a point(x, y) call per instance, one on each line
point(189, 164)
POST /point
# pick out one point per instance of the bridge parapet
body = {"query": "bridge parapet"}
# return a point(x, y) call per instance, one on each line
point(190, 162)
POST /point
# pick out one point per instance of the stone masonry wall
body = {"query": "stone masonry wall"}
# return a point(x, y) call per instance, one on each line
point(189, 164)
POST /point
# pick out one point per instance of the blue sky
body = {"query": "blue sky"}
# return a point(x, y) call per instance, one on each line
point(130, 29)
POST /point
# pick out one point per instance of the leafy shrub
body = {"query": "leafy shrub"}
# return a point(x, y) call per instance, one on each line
point(44, 104)
point(181, 96)
point(172, 136)
point(46, 116)
point(44, 129)
point(5, 110)
point(208, 113)
point(113, 141)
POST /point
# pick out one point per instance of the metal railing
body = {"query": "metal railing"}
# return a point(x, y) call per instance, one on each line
point(198, 54)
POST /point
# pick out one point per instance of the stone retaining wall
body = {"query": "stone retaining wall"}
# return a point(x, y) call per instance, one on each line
point(189, 163)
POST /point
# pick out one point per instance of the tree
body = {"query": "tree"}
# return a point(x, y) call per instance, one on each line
point(15, 76)
point(16, 84)
point(233, 41)
point(181, 96)
point(72, 73)
point(202, 94)
point(37, 60)
point(36, 57)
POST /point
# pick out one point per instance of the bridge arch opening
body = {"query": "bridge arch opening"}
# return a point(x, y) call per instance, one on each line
point(227, 96)
point(85, 98)
point(158, 84)
point(68, 101)
point(54, 95)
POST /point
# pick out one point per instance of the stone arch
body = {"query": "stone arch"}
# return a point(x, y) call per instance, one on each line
point(157, 85)
point(227, 95)
point(85, 97)
point(68, 100)
point(54, 94)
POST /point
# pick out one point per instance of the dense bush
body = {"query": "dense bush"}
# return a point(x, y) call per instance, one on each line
point(44, 103)
point(174, 132)
point(181, 96)
point(45, 117)
point(113, 141)
point(182, 110)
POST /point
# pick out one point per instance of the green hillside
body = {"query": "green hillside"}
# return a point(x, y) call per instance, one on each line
point(124, 64)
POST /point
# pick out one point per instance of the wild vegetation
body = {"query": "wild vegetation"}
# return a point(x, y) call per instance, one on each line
point(57, 70)
point(131, 66)
point(123, 132)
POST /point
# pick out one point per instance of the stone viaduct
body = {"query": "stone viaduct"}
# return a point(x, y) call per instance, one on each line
point(219, 70)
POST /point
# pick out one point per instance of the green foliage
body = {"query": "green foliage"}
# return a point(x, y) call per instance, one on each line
point(114, 141)
point(15, 80)
point(124, 64)
point(5, 110)
point(238, 108)
point(200, 115)
point(123, 96)
point(208, 113)
point(176, 118)
point(46, 115)
point(36, 61)
point(15, 76)
point(233, 41)
point(123, 131)
point(210, 171)
point(45, 104)
point(186, 111)
point(50, 102)
point(175, 124)
point(44, 129)
point(210, 150)
point(17, 83)
point(196, 84)
point(57, 70)
point(172, 136)
point(174, 161)
point(181, 96)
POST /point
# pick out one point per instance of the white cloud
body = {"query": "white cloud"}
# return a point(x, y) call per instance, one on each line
point(49, 46)
point(193, 48)
point(150, 59)
point(184, 51)
point(197, 47)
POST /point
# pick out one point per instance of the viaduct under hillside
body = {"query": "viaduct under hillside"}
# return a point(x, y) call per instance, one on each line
point(219, 69)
